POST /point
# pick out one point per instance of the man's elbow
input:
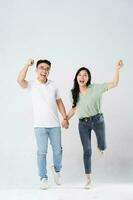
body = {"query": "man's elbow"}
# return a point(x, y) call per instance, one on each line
point(21, 83)
point(18, 80)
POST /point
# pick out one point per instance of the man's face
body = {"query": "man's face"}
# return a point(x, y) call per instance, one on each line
point(42, 72)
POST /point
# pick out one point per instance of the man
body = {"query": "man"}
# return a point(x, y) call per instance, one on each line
point(45, 101)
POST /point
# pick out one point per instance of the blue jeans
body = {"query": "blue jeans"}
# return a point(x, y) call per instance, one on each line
point(42, 135)
point(95, 123)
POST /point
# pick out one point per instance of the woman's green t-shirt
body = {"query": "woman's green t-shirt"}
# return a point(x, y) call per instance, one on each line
point(90, 103)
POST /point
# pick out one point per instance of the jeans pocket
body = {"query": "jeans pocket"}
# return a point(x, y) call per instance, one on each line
point(99, 119)
point(82, 125)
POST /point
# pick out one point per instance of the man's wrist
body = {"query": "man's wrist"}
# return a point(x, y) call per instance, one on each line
point(27, 66)
point(65, 118)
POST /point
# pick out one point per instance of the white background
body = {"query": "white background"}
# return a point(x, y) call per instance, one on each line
point(71, 34)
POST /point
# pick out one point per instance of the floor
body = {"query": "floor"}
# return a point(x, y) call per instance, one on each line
point(104, 191)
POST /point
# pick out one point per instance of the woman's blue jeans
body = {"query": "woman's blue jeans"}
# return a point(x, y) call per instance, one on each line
point(86, 125)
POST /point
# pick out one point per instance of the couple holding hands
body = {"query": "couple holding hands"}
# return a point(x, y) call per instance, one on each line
point(46, 101)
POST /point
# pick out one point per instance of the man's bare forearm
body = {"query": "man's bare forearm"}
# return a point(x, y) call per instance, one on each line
point(22, 75)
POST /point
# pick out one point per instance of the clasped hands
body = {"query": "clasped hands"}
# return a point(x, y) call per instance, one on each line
point(65, 123)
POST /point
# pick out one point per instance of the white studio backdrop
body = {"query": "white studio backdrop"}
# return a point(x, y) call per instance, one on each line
point(71, 34)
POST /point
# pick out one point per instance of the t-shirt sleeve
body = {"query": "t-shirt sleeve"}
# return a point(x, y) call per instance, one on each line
point(70, 97)
point(30, 83)
point(102, 87)
point(57, 94)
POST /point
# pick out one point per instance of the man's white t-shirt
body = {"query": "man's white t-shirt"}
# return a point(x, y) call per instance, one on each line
point(44, 98)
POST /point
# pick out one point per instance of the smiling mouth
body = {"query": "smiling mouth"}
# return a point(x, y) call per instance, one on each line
point(82, 82)
point(43, 75)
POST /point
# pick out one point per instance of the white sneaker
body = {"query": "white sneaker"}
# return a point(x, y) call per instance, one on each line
point(101, 152)
point(88, 184)
point(44, 184)
point(57, 176)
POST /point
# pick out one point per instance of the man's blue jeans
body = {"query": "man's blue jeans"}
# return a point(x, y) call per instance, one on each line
point(95, 123)
point(42, 135)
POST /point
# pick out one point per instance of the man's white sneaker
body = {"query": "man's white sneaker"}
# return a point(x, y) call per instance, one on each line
point(56, 175)
point(88, 184)
point(44, 184)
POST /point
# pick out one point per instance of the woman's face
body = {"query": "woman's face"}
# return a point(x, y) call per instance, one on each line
point(82, 78)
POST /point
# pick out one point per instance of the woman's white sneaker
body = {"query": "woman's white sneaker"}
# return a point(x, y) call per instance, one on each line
point(44, 184)
point(101, 152)
point(88, 184)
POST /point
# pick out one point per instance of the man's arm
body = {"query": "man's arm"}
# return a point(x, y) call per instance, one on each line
point(22, 75)
point(62, 110)
point(115, 81)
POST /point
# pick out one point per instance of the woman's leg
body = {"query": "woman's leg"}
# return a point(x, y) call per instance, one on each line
point(85, 136)
point(99, 128)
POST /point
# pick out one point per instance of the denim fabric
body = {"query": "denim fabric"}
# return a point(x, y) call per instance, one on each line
point(42, 136)
point(95, 123)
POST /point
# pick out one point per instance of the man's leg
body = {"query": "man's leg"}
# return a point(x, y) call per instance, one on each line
point(42, 145)
point(55, 140)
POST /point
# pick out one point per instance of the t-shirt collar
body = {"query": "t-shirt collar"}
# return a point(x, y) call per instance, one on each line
point(38, 82)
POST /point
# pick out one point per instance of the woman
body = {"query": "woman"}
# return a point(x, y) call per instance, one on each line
point(86, 98)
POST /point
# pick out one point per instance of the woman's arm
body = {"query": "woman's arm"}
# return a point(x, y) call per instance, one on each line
point(115, 81)
point(71, 113)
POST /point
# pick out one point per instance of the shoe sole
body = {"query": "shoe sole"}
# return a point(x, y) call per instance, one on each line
point(88, 187)
point(44, 188)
